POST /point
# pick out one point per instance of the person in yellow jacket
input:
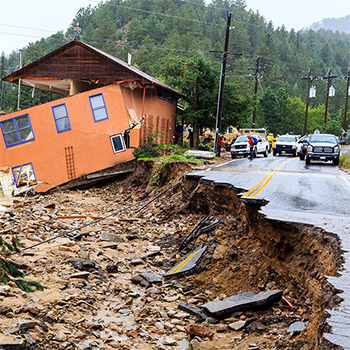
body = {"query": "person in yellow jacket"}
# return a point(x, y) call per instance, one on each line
point(271, 140)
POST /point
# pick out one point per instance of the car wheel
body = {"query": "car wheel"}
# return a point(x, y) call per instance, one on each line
point(336, 161)
point(308, 160)
point(302, 156)
point(274, 153)
point(265, 153)
point(233, 156)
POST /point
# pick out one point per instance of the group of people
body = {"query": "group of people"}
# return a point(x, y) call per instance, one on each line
point(179, 133)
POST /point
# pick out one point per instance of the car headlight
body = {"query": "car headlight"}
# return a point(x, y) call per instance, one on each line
point(336, 149)
point(294, 146)
point(309, 148)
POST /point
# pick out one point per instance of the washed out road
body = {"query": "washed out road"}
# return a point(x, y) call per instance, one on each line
point(316, 194)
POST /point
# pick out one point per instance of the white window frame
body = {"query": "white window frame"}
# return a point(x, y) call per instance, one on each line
point(122, 142)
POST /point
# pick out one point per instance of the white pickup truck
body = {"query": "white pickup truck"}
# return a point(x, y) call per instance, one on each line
point(241, 146)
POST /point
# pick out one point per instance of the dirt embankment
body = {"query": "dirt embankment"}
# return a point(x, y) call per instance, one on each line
point(246, 252)
point(259, 254)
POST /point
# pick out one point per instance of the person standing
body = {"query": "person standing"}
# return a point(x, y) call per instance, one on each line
point(251, 143)
point(220, 143)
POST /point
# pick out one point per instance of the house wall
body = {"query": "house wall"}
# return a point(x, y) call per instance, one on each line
point(159, 114)
point(88, 143)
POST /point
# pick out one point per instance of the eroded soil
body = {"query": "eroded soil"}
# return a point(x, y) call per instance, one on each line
point(104, 308)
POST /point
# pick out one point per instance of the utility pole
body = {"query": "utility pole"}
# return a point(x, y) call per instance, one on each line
point(309, 80)
point(19, 80)
point(222, 83)
point(256, 75)
point(347, 98)
point(329, 78)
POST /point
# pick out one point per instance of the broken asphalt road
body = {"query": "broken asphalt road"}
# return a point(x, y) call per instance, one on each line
point(316, 194)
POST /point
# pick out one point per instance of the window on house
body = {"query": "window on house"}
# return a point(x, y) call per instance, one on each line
point(17, 130)
point(98, 107)
point(61, 117)
point(117, 143)
point(161, 94)
point(24, 175)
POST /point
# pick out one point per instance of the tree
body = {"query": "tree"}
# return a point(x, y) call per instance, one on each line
point(195, 78)
point(295, 115)
point(333, 126)
point(269, 111)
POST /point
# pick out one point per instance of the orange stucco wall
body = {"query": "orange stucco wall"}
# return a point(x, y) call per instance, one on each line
point(92, 148)
point(159, 115)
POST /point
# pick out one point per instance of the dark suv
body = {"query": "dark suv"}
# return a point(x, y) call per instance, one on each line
point(323, 147)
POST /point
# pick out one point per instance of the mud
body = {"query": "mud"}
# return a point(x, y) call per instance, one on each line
point(246, 252)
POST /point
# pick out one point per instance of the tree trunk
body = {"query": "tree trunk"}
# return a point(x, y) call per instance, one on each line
point(195, 136)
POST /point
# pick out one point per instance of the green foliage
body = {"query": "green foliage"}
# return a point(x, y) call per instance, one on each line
point(344, 161)
point(333, 127)
point(146, 150)
point(8, 270)
point(195, 78)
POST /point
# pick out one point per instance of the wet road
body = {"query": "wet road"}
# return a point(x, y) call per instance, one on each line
point(317, 194)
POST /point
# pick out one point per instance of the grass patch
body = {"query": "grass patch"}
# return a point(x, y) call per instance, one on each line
point(344, 161)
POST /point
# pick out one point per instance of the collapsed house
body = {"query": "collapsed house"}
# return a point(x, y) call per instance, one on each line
point(108, 107)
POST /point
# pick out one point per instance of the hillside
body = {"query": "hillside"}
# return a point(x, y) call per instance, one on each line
point(341, 25)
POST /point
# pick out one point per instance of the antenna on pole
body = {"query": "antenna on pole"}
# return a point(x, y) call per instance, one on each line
point(19, 80)
point(329, 78)
point(309, 81)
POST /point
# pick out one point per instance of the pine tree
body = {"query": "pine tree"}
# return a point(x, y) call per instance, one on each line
point(8, 270)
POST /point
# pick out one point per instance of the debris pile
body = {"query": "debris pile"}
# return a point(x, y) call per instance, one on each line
point(166, 274)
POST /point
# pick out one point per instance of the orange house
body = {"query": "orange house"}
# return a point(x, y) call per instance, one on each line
point(107, 108)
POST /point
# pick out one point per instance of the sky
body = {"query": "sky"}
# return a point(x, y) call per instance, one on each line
point(299, 14)
point(38, 18)
point(23, 21)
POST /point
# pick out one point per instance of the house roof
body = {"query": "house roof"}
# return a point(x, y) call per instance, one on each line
point(77, 60)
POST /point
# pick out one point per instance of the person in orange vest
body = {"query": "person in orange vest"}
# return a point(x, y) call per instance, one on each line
point(251, 143)
point(220, 143)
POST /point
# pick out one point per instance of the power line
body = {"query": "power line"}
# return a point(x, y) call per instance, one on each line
point(138, 45)
point(30, 28)
point(26, 35)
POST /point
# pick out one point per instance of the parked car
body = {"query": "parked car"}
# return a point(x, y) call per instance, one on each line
point(241, 146)
point(302, 146)
point(323, 147)
point(286, 144)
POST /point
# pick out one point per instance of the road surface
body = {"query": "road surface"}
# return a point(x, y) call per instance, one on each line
point(317, 194)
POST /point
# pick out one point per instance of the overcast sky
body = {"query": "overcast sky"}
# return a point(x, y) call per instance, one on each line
point(23, 21)
point(299, 14)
